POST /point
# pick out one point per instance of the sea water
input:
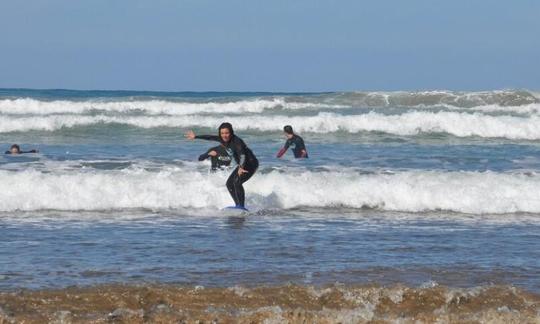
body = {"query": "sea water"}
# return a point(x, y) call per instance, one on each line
point(413, 188)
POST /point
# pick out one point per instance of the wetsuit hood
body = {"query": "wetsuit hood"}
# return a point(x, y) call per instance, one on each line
point(227, 126)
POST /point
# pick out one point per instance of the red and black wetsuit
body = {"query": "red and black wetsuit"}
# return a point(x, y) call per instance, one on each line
point(296, 143)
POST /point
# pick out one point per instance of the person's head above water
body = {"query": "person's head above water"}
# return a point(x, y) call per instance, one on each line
point(15, 149)
point(226, 132)
point(288, 131)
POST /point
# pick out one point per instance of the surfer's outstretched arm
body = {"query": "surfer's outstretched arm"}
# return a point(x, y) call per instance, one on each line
point(208, 137)
point(190, 135)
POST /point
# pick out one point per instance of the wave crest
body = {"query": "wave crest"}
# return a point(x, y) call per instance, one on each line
point(407, 124)
point(465, 192)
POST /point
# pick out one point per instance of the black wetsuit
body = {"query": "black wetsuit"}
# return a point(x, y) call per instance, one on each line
point(245, 159)
point(21, 152)
point(222, 159)
point(296, 143)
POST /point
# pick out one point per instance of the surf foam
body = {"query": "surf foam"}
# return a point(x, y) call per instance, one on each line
point(25, 106)
point(411, 123)
point(414, 191)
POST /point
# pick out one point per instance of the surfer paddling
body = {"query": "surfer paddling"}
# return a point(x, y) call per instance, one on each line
point(295, 142)
point(244, 157)
point(16, 149)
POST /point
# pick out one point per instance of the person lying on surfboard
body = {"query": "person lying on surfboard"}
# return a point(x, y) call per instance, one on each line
point(295, 142)
point(15, 149)
point(219, 157)
point(244, 157)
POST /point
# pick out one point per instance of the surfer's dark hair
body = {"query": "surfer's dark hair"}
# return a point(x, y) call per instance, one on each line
point(288, 129)
point(15, 146)
point(227, 126)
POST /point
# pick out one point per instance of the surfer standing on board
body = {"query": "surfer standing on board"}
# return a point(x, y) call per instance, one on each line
point(244, 157)
point(295, 142)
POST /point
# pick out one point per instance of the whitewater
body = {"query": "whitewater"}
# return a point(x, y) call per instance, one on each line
point(181, 187)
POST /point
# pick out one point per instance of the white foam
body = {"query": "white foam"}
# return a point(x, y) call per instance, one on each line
point(530, 109)
point(411, 123)
point(499, 100)
point(25, 106)
point(28, 106)
point(502, 98)
point(467, 192)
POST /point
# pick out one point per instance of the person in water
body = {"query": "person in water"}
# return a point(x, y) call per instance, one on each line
point(244, 157)
point(15, 149)
point(295, 142)
point(219, 157)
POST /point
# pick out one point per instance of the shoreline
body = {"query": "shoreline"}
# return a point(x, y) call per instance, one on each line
point(287, 303)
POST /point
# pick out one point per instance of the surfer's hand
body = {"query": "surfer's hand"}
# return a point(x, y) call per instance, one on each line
point(212, 153)
point(241, 171)
point(190, 135)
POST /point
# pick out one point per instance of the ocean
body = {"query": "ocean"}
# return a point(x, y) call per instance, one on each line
point(423, 191)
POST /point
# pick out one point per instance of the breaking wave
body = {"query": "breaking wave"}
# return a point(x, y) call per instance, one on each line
point(181, 187)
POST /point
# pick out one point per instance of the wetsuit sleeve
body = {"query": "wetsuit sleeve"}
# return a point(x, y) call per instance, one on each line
point(7, 152)
point(203, 156)
point(31, 151)
point(208, 137)
point(287, 144)
point(284, 149)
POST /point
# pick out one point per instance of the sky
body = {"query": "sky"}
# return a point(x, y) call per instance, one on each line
point(278, 45)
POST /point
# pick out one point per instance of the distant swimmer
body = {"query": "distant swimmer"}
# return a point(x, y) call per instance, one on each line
point(219, 157)
point(15, 149)
point(243, 156)
point(295, 142)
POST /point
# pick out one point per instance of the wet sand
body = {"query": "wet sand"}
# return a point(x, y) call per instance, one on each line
point(283, 304)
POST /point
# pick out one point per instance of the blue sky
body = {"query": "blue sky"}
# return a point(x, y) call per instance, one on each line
point(278, 45)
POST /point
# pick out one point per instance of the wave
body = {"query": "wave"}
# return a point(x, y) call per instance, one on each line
point(502, 98)
point(407, 124)
point(530, 109)
point(506, 101)
point(185, 187)
point(25, 106)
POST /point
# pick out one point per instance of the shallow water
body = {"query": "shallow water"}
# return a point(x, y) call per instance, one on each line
point(270, 248)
